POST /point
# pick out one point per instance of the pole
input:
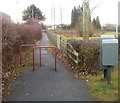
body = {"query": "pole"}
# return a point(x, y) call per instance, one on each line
point(116, 30)
point(51, 17)
point(55, 58)
point(20, 54)
point(32, 13)
point(61, 14)
point(86, 16)
point(40, 57)
point(17, 10)
point(54, 17)
point(109, 76)
point(105, 74)
point(33, 57)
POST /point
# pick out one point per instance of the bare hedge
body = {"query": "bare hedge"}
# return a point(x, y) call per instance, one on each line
point(15, 34)
point(12, 36)
point(89, 51)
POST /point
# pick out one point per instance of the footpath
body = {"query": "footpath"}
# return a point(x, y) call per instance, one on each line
point(45, 84)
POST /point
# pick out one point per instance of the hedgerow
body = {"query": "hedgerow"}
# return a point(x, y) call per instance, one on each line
point(89, 51)
point(12, 36)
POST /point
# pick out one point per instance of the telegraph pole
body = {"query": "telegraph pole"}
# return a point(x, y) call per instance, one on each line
point(54, 17)
point(118, 18)
point(86, 17)
point(116, 30)
point(51, 17)
point(17, 8)
point(61, 14)
point(32, 13)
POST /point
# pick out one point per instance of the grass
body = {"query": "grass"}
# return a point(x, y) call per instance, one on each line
point(101, 90)
point(76, 38)
point(81, 38)
point(68, 31)
point(50, 43)
point(27, 57)
point(109, 33)
point(19, 70)
point(37, 42)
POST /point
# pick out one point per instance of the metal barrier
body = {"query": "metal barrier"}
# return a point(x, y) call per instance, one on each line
point(53, 47)
point(25, 45)
point(33, 47)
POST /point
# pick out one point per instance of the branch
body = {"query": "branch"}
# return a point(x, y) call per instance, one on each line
point(95, 7)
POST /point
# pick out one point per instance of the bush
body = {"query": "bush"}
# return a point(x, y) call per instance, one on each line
point(89, 51)
point(12, 36)
point(16, 34)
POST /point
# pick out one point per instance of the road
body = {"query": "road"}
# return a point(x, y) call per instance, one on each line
point(44, 84)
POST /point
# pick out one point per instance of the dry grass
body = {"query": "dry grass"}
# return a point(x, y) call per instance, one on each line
point(70, 33)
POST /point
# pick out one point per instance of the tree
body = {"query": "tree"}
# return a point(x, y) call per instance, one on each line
point(33, 12)
point(81, 19)
point(96, 23)
point(75, 14)
point(87, 18)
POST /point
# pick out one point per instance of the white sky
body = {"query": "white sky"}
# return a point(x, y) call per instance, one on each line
point(107, 10)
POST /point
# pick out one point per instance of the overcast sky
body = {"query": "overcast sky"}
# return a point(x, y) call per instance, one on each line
point(107, 9)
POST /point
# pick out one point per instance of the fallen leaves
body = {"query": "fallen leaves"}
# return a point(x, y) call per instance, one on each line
point(9, 72)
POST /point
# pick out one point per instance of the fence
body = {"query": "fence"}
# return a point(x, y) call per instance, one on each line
point(64, 46)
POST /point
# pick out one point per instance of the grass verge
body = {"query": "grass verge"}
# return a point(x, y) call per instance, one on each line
point(109, 33)
point(76, 38)
point(19, 70)
point(100, 89)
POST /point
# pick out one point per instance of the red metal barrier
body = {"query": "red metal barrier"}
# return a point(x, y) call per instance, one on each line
point(25, 45)
point(33, 47)
point(53, 47)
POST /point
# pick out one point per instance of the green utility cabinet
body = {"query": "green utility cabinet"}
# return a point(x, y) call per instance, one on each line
point(108, 55)
point(108, 51)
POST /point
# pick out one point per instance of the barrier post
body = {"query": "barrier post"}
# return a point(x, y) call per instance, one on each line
point(33, 57)
point(40, 57)
point(20, 54)
point(40, 54)
point(55, 58)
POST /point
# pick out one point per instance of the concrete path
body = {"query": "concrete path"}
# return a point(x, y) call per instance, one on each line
point(44, 84)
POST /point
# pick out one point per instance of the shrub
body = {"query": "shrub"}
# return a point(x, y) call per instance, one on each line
point(12, 36)
point(89, 51)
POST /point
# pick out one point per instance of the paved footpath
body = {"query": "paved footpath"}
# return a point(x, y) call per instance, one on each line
point(44, 84)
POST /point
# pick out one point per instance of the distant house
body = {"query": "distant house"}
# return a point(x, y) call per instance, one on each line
point(52, 27)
